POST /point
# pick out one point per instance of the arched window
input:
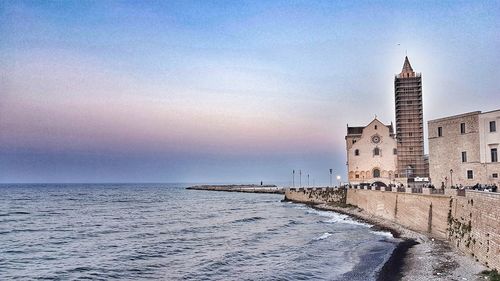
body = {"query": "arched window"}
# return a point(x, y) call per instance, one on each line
point(376, 173)
point(356, 152)
point(376, 151)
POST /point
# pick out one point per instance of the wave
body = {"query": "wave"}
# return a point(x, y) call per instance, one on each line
point(14, 213)
point(338, 218)
point(252, 219)
point(383, 233)
point(323, 236)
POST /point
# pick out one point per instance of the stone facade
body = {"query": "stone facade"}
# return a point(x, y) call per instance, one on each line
point(489, 139)
point(371, 153)
point(460, 149)
point(401, 156)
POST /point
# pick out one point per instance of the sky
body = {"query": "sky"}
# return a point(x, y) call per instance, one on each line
point(224, 91)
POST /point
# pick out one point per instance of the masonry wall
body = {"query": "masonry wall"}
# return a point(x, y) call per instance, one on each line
point(317, 195)
point(422, 213)
point(471, 222)
point(474, 226)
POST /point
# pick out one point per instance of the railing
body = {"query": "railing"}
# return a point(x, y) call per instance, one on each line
point(437, 191)
point(416, 190)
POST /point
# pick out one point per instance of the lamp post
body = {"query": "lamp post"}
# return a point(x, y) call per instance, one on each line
point(300, 178)
point(408, 173)
point(307, 180)
point(451, 177)
point(338, 180)
point(331, 172)
point(293, 178)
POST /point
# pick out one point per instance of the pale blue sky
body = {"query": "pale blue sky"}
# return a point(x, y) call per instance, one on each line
point(223, 91)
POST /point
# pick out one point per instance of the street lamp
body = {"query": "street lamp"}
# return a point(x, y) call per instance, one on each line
point(408, 173)
point(338, 179)
point(451, 177)
point(331, 171)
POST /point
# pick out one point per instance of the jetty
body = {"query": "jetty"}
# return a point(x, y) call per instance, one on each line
point(249, 188)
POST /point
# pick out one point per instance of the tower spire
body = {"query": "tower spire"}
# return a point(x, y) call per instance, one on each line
point(407, 70)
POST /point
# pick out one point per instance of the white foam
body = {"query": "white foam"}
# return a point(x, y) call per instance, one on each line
point(337, 218)
point(323, 236)
point(383, 233)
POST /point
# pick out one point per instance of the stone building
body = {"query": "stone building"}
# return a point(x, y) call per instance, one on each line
point(409, 123)
point(463, 149)
point(371, 153)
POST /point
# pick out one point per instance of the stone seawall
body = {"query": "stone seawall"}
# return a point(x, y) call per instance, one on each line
point(422, 213)
point(474, 225)
point(470, 222)
point(325, 195)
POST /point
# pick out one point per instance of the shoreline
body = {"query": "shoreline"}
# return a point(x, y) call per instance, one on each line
point(417, 257)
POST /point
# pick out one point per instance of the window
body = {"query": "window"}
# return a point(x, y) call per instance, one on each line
point(410, 120)
point(494, 175)
point(356, 152)
point(464, 156)
point(394, 151)
point(440, 131)
point(493, 126)
point(462, 128)
point(376, 173)
point(470, 174)
point(357, 176)
point(375, 127)
point(353, 141)
point(410, 134)
point(409, 102)
point(376, 151)
point(494, 155)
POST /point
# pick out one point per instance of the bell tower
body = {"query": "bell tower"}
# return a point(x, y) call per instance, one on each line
point(409, 123)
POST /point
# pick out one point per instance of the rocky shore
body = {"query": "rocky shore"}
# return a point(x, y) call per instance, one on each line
point(418, 257)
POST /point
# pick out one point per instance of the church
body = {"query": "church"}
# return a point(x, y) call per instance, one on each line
point(371, 153)
point(376, 154)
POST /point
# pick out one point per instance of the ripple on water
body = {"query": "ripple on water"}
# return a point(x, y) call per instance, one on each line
point(142, 232)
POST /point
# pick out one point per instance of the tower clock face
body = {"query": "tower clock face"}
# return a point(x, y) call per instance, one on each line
point(375, 139)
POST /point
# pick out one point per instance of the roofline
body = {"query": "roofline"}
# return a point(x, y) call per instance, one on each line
point(454, 116)
point(491, 111)
point(369, 124)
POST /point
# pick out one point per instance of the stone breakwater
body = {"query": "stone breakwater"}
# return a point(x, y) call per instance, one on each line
point(469, 221)
point(249, 188)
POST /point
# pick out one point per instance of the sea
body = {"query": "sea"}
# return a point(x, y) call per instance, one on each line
point(165, 232)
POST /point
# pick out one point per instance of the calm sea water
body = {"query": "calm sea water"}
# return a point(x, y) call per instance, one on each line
point(162, 231)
